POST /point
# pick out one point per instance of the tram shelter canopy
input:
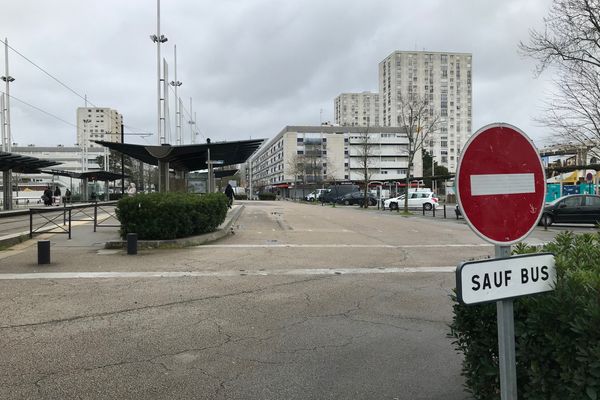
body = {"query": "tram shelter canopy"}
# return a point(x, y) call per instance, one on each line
point(90, 175)
point(23, 164)
point(191, 157)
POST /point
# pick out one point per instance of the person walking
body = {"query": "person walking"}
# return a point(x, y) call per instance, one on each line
point(229, 194)
point(68, 196)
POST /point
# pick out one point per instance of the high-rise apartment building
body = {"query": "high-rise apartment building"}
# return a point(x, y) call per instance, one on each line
point(357, 109)
point(96, 123)
point(441, 79)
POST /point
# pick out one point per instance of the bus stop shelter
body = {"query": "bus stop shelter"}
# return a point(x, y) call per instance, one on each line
point(11, 162)
point(98, 176)
point(188, 158)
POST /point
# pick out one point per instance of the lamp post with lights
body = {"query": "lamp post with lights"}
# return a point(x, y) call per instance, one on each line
point(158, 39)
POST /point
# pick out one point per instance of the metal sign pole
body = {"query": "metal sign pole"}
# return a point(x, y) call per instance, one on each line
point(506, 339)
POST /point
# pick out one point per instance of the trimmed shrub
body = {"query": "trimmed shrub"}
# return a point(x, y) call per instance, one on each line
point(267, 196)
point(557, 334)
point(161, 216)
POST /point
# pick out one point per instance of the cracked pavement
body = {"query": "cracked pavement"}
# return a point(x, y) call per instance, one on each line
point(239, 335)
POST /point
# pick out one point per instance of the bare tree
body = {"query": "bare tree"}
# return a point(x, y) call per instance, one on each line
point(296, 168)
point(571, 43)
point(418, 120)
point(364, 148)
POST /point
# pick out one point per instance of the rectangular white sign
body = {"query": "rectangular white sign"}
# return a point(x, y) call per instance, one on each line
point(489, 184)
point(504, 278)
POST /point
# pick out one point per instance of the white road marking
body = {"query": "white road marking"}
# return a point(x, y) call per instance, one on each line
point(490, 184)
point(186, 274)
point(335, 246)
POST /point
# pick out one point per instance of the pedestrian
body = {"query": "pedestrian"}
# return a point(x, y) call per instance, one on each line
point(131, 190)
point(57, 194)
point(47, 196)
point(68, 196)
point(229, 194)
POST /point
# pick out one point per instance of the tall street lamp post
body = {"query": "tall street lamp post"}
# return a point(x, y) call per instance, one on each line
point(158, 39)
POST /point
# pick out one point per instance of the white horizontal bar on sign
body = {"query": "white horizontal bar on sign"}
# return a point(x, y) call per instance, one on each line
point(489, 184)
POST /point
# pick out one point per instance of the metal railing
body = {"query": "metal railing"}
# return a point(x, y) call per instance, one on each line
point(50, 222)
point(70, 212)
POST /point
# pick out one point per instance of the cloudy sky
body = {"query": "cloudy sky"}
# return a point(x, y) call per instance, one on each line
point(254, 66)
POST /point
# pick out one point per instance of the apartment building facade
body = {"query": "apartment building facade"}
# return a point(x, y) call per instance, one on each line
point(313, 155)
point(98, 123)
point(443, 80)
point(357, 109)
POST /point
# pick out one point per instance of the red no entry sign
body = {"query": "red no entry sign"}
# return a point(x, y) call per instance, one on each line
point(501, 185)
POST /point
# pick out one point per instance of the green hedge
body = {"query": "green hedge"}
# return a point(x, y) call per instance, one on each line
point(267, 196)
point(160, 216)
point(557, 334)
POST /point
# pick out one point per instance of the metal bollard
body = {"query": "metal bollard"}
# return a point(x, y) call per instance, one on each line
point(132, 243)
point(43, 252)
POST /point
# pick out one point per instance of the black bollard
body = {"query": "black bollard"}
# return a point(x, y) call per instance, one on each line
point(43, 252)
point(132, 243)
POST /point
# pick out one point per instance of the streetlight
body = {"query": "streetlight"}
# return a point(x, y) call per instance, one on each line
point(158, 39)
point(176, 84)
point(84, 145)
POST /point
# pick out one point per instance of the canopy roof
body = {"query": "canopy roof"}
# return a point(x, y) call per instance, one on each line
point(90, 175)
point(23, 164)
point(189, 157)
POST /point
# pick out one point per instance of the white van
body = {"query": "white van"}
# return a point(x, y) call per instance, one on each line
point(314, 196)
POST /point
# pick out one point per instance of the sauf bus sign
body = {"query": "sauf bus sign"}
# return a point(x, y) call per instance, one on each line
point(501, 189)
point(505, 278)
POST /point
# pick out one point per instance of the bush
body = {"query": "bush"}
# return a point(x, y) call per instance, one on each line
point(266, 196)
point(160, 216)
point(557, 334)
point(241, 197)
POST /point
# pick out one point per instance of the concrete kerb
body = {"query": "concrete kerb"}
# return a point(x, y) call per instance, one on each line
point(225, 229)
point(16, 238)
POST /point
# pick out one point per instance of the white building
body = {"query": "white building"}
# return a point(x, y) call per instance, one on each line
point(319, 154)
point(98, 123)
point(357, 109)
point(69, 157)
point(442, 79)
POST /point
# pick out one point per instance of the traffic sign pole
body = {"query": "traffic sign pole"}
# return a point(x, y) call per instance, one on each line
point(506, 339)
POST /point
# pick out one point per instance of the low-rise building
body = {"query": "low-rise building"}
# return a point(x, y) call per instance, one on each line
point(316, 155)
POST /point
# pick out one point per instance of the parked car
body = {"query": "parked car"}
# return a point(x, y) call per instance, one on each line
point(576, 209)
point(314, 196)
point(357, 198)
point(333, 193)
point(415, 200)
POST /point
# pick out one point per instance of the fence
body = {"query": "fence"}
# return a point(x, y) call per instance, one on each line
point(70, 213)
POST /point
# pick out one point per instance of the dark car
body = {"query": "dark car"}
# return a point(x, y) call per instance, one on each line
point(357, 198)
point(336, 192)
point(573, 209)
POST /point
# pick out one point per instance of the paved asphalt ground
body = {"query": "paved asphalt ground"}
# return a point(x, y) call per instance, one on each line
point(302, 302)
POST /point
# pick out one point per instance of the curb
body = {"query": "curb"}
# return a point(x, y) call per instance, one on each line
point(225, 229)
